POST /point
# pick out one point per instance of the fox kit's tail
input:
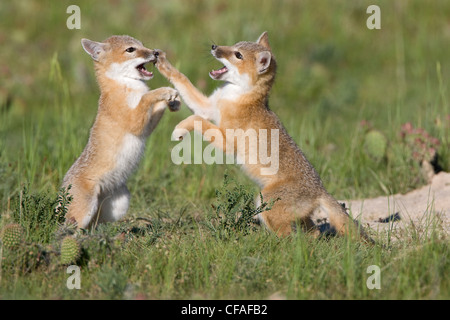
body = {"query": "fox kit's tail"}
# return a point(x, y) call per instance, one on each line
point(341, 221)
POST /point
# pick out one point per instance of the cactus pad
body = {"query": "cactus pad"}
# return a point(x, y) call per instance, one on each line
point(70, 250)
point(375, 144)
point(12, 235)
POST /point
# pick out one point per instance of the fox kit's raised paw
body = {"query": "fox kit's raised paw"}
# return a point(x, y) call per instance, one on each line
point(162, 64)
point(184, 127)
point(170, 96)
point(178, 134)
point(172, 99)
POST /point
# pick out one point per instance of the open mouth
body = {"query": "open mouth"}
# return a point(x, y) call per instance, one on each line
point(144, 72)
point(215, 74)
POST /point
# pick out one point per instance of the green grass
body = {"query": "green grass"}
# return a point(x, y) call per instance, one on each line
point(333, 73)
point(174, 256)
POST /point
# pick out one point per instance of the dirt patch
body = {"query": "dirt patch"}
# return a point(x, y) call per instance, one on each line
point(422, 207)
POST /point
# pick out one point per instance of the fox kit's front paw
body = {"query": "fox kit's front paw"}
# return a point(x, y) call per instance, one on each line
point(178, 134)
point(160, 57)
point(172, 99)
point(162, 63)
point(184, 127)
point(174, 105)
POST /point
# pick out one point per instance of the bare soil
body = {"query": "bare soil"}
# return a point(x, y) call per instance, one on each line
point(421, 208)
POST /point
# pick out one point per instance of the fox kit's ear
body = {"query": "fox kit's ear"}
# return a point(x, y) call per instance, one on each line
point(94, 49)
point(263, 40)
point(263, 61)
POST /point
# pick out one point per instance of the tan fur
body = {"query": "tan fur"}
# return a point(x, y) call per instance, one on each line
point(127, 113)
point(242, 104)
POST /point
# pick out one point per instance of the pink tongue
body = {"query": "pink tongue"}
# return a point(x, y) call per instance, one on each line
point(146, 73)
point(220, 71)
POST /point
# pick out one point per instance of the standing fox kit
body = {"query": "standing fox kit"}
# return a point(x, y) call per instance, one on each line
point(241, 104)
point(127, 113)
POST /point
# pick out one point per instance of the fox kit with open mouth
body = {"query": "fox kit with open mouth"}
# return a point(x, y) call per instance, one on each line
point(127, 114)
point(240, 105)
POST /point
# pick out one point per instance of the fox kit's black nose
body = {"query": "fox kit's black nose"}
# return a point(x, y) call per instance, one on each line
point(156, 53)
point(214, 47)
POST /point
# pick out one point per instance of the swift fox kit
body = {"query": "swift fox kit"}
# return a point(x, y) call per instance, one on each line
point(241, 104)
point(127, 114)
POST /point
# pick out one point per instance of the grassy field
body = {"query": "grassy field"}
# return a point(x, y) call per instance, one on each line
point(336, 80)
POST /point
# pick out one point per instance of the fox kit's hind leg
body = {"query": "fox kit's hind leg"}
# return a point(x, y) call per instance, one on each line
point(85, 208)
point(114, 205)
point(284, 218)
point(277, 220)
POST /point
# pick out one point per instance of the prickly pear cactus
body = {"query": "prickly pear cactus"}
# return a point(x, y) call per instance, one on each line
point(375, 143)
point(12, 235)
point(70, 250)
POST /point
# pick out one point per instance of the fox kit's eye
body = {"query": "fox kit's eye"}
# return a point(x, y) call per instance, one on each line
point(238, 55)
point(130, 49)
